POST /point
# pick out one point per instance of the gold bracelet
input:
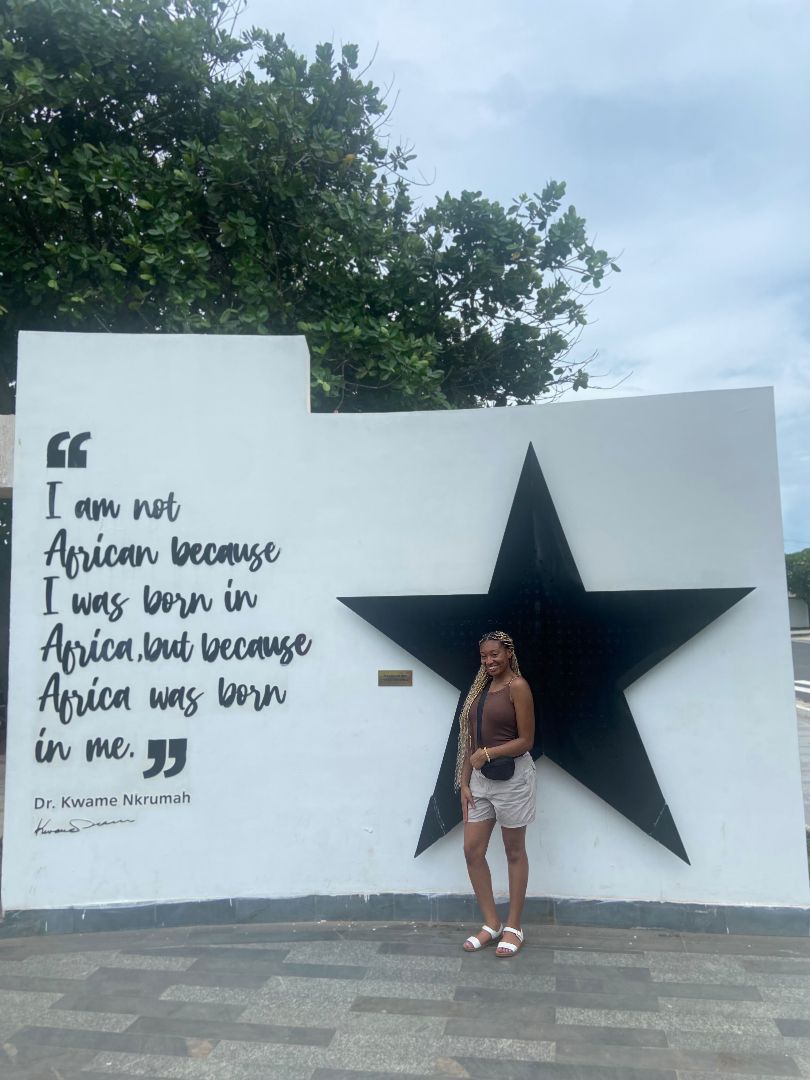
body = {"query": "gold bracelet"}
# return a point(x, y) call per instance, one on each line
point(488, 757)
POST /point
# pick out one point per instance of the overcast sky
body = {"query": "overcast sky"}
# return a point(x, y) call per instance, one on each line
point(680, 128)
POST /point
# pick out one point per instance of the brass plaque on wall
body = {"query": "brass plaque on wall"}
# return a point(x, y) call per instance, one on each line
point(394, 678)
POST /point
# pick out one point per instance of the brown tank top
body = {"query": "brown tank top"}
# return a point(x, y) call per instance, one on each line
point(499, 723)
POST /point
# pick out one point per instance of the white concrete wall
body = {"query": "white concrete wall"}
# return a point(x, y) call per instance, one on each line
point(664, 492)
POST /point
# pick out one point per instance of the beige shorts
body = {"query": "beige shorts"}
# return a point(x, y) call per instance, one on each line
point(511, 802)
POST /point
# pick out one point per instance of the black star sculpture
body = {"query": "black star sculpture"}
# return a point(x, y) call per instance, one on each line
point(578, 650)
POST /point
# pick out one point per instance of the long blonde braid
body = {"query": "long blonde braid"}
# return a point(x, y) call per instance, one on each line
point(478, 684)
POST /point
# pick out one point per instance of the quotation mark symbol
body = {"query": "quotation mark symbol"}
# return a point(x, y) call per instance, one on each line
point(157, 752)
point(76, 455)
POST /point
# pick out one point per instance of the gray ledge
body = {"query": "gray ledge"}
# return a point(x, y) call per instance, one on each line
point(411, 907)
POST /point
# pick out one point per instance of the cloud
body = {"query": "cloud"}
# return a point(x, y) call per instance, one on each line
point(680, 129)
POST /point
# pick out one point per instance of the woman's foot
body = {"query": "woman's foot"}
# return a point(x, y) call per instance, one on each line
point(485, 936)
point(511, 942)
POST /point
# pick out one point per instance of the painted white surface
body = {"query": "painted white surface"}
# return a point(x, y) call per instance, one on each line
point(665, 492)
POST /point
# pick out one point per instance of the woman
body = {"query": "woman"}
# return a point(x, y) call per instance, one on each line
point(497, 724)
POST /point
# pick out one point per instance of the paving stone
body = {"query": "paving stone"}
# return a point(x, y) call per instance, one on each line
point(753, 1009)
point(100, 1040)
point(23, 1000)
point(259, 947)
point(528, 1014)
point(158, 1067)
point(133, 1005)
point(103, 1020)
point(144, 963)
point(13, 951)
point(688, 1074)
point(206, 1003)
point(492, 1069)
point(794, 1028)
point(409, 975)
point(509, 1049)
point(240, 953)
point(231, 995)
point(788, 994)
point(316, 1003)
point(729, 1041)
point(591, 958)
point(263, 965)
point(278, 1000)
point(673, 1058)
point(34, 1060)
point(284, 1013)
point(7, 1029)
point(19, 1010)
point(760, 978)
point(769, 966)
point(330, 952)
point(634, 973)
point(214, 1030)
point(367, 1026)
point(626, 1002)
point(401, 962)
point(50, 1071)
point(510, 1028)
point(432, 988)
point(611, 983)
point(705, 991)
point(695, 967)
point(113, 980)
point(75, 966)
point(537, 963)
point(507, 976)
point(93, 1074)
point(668, 1020)
point(413, 1048)
point(410, 1045)
point(452, 949)
point(366, 1074)
point(414, 1007)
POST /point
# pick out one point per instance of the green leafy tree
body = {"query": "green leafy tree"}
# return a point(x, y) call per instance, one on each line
point(798, 574)
point(158, 173)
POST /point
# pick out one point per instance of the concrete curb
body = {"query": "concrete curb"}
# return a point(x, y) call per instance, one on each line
point(412, 907)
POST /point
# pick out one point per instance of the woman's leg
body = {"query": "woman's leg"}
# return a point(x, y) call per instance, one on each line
point(476, 841)
point(514, 842)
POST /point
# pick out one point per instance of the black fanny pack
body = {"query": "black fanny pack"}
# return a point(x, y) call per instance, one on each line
point(501, 768)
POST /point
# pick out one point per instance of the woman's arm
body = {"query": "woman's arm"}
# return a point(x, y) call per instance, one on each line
point(467, 799)
point(466, 770)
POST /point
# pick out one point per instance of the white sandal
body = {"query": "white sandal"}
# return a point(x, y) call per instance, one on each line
point(510, 947)
point(475, 944)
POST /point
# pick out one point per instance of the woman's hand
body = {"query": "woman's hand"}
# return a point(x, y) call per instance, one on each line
point(466, 801)
point(478, 759)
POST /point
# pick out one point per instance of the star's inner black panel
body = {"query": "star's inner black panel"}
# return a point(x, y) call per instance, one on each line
point(578, 651)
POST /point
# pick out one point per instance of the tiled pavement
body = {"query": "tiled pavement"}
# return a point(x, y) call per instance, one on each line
point(365, 1002)
point(359, 1002)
